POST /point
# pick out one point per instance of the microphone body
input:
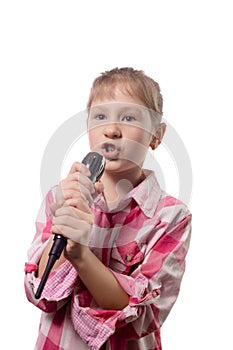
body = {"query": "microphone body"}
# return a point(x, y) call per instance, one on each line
point(95, 162)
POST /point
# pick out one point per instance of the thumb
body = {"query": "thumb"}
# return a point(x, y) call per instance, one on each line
point(99, 187)
point(54, 207)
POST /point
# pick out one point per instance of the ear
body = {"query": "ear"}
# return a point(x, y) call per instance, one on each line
point(157, 138)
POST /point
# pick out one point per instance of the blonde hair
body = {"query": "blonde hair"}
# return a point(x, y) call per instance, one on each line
point(131, 82)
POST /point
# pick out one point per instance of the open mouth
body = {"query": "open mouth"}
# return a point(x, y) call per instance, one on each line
point(110, 151)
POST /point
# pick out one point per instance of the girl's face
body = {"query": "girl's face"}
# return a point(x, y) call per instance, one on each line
point(122, 130)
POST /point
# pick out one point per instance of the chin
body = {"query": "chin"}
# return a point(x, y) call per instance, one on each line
point(112, 164)
point(120, 165)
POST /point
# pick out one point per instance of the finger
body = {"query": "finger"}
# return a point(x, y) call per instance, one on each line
point(73, 180)
point(66, 220)
point(80, 167)
point(65, 215)
point(73, 234)
point(77, 187)
point(82, 205)
point(81, 195)
point(54, 207)
point(99, 187)
point(79, 234)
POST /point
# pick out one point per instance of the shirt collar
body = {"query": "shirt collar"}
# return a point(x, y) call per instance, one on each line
point(146, 194)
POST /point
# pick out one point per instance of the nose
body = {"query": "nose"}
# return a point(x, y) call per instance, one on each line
point(112, 131)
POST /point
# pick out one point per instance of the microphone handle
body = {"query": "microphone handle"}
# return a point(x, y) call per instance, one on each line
point(95, 162)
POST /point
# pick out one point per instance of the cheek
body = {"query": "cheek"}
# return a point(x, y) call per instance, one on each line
point(139, 136)
point(135, 149)
point(93, 137)
point(134, 152)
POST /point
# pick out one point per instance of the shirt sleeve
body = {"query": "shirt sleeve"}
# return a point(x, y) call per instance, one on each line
point(60, 284)
point(153, 288)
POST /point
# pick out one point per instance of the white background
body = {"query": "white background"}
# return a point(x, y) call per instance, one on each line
point(50, 53)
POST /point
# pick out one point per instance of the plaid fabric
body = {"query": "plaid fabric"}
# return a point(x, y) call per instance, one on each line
point(144, 243)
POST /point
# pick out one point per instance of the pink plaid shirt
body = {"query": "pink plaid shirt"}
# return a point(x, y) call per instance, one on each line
point(144, 243)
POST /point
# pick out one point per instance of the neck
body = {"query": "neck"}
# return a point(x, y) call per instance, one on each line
point(118, 184)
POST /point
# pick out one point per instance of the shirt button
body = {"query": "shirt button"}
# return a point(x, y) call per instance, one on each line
point(128, 257)
point(154, 294)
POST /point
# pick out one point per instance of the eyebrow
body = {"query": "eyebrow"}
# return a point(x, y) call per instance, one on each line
point(97, 109)
point(124, 109)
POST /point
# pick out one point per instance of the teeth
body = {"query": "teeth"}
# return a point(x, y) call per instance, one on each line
point(110, 148)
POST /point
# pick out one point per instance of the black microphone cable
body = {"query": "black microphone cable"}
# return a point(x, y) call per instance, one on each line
point(95, 162)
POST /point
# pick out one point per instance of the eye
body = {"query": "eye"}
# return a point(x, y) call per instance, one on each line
point(128, 118)
point(100, 117)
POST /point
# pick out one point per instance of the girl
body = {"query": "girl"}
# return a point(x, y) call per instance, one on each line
point(127, 239)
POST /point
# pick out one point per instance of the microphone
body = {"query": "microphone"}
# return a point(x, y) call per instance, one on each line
point(95, 162)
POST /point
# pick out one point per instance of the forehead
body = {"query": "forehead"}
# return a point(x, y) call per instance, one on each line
point(115, 94)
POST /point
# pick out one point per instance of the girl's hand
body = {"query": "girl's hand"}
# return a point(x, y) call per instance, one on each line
point(72, 216)
point(76, 226)
point(76, 186)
